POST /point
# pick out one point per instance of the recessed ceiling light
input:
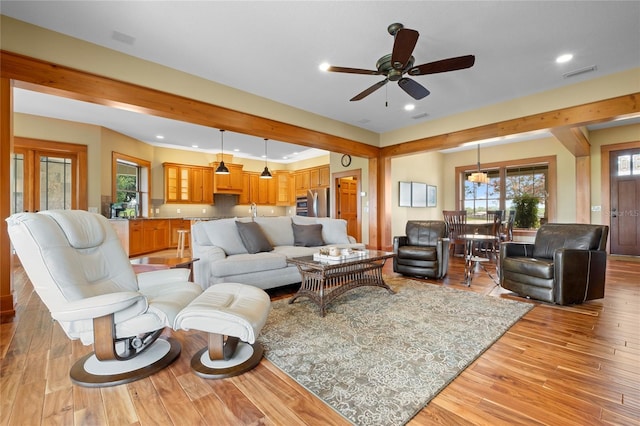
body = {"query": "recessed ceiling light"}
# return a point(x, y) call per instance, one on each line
point(324, 66)
point(194, 146)
point(564, 58)
point(159, 137)
point(236, 150)
point(409, 107)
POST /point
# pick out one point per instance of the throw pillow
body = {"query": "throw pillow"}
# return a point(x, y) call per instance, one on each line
point(253, 237)
point(307, 235)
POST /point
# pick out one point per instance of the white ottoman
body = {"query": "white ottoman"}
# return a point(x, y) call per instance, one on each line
point(233, 314)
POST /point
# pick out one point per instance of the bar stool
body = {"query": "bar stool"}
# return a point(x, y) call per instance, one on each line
point(182, 236)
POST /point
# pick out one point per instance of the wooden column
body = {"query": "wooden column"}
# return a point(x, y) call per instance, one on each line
point(7, 309)
point(583, 189)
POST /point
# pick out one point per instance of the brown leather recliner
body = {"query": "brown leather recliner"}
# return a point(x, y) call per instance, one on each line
point(565, 265)
point(423, 251)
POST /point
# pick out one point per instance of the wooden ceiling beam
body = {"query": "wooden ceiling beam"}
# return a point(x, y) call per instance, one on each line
point(574, 139)
point(580, 115)
point(35, 74)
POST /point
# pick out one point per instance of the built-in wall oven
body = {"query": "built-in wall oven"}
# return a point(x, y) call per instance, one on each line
point(302, 206)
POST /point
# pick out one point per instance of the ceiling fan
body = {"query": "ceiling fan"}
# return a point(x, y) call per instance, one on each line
point(400, 62)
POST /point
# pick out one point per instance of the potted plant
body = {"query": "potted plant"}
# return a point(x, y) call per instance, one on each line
point(526, 206)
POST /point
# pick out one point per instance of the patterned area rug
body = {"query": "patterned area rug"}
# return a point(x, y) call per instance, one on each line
point(378, 358)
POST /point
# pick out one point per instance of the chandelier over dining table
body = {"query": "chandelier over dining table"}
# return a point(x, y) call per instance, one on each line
point(478, 177)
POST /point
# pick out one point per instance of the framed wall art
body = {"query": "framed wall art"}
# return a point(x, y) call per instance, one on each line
point(432, 196)
point(418, 194)
point(404, 194)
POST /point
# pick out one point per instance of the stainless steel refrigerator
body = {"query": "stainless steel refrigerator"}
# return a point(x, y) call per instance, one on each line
point(318, 202)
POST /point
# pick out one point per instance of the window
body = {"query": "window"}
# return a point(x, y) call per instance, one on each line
point(55, 183)
point(628, 165)
point(535, 176)
point(131, 184)
point(527, 180)
point(127, 180)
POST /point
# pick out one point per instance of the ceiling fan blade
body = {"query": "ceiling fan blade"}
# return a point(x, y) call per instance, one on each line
point(444, 65)
point(352, 70)
point(413, 88)
point(403, 45)
point(369, 91)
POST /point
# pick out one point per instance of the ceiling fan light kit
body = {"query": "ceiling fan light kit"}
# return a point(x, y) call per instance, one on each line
point(400, 61)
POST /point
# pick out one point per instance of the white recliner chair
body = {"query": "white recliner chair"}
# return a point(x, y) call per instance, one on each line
point(78, 267)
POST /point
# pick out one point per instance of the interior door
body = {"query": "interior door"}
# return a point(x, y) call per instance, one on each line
point(625, 202)
point(348, 204)
point(47, 176)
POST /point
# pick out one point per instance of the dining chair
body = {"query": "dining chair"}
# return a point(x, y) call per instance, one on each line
point(507, 230)
point(456, 221)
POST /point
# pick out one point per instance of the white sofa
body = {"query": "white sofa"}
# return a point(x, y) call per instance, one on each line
point(223, 256)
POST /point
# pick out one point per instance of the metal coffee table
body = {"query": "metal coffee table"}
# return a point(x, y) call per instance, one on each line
point(323, 281)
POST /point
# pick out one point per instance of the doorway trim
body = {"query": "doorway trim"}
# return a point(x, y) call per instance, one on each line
point(357, 174)
point(605, 171)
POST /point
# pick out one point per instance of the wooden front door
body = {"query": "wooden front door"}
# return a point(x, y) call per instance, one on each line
point(625, 201)
point(348, 204)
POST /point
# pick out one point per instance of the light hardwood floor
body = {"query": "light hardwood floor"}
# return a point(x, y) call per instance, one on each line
point(576, 365)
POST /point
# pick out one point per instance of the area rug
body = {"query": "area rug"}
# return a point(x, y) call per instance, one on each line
point(379, 358)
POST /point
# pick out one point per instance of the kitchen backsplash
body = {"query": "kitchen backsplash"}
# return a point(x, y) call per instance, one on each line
point(225, 206)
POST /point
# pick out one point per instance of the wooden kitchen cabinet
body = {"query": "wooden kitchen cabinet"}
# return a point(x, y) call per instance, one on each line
point(188, 184)
point(245, 195)
point(302, 180)
point(228, 184)
point(311, 178)
point(285, 195)
point(201, 185)
point(176, 181)
point(135, 238)
point(320, 177)
point(155, 234)
point(259, 191)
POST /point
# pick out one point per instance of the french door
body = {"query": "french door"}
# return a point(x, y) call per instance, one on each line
point(47, 175)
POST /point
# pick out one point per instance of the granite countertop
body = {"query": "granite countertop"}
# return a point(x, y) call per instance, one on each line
point(170, 217)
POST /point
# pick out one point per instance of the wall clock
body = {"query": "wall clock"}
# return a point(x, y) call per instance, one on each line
point(346, 160)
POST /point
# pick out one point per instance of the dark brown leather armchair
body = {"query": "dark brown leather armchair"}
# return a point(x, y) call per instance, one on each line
point(423, 251)
point(566, 264)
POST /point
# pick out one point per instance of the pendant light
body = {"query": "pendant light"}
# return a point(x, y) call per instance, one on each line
point(266, 174)
point(222, 169)
point(478, 177)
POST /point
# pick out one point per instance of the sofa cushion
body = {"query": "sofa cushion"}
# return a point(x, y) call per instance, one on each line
point(253, 238)
point(417, 253)
point(248, 263)
point(425, 232)
point(224, 234)
point(334, 231)
point(277, 229)
point(552, 237)
point(307, 235)
point(528, 266)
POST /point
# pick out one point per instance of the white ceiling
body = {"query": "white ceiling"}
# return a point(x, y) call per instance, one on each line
point(273, 49)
